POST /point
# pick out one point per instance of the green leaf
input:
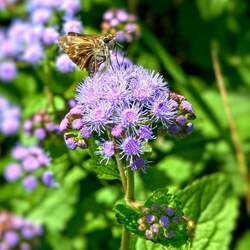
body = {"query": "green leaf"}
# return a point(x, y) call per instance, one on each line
point(208, 203)
point(127, 217)
point(211, 8)
point(149, 245)
point(244, 241)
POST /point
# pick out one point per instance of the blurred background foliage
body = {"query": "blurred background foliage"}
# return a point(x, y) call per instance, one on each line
point(176, 37)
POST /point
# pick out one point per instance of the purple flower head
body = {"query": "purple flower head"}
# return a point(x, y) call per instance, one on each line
point(122, 15)
point(41, 16)
point(30, 183)
point(72, 26)
point(33, 54)
point(150, 218)
point(40, 133)
point(12, 238)
point(27, 126)
point(181, 120)
point(164, 221)
point(145, 133)
point(114, 22)
point(30, 163)
point(27, 233)
point(19, 152)
point(173, 129)
point(85, 132)
point(8, 71)
point(70, 142)
point(149, 234)
point(9, 48)
point(108, 15)
point(64, 125)
point(186, 106)
point(50, 36)
point(13, 172)
point(9, 126)
point(48, 179)
point(107, 149)
point(131, 147)
point(64, 64)
point(138, 164)
point(170, 211)
point(77, 124)
point(117, 131)
point(98, 116)
point(189, 128)
point(164, 110)
point(155, 228)
point(131, 116)
point(71, 7)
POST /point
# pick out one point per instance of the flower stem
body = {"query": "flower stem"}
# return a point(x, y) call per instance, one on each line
point(129, 197)
point(121, 172)
point(242, 164)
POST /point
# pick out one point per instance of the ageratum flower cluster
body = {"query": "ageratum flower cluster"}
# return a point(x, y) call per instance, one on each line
point(18, 233)
point(9, 117)
point(40, 125)
point(161, 223)
point(28, 40)
point(123, 108)
point(122, 23)
point(31, 166)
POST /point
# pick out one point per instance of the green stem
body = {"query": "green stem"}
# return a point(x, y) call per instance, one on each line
point(121, 172)
point(130, 193)
point(129, 197)
point(242, 163)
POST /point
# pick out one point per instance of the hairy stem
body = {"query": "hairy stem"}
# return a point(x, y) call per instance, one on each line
point(242, 164)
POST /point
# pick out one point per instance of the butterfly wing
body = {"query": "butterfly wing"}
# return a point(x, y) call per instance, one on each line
point(79, 48)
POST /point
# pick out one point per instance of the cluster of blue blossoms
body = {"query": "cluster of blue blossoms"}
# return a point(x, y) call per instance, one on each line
point(122, 23)
point(31, 166)
point(28, 40)
point(123, 108)
point(18, 233)
point(9, 117)
point(40, 125)
point(161, 222)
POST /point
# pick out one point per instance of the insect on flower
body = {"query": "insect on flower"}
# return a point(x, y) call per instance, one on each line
point(88, 51)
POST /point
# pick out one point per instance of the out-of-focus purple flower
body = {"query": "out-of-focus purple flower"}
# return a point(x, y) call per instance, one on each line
point(41, 15)
point(30, 163)
point(123, 23)
point(50, 35)
point(10, 126)
point(13, 172)
point(12, 238)
point(8, 71)
point(64, 64)
point(19, 152)
point(9, 48)
point(71, 7)
point(72, 26)
point(70, 142)
point(149, 234)
point(27, 126)
point(30, 182)
point(48, 179)
point(117, 131)
point(33, 54)
point(18, 233)
point(40, 133)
